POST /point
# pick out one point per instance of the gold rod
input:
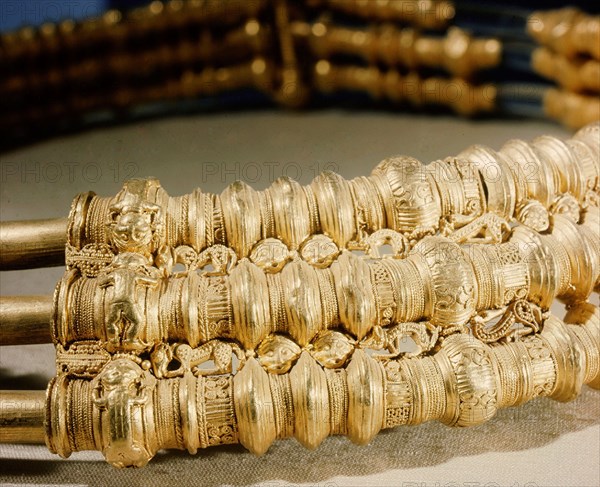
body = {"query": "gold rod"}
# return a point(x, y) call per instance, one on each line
point(25, 320)
point(22, 417)
point(33, 243)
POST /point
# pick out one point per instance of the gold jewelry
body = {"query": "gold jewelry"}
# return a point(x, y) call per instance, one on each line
point(300, 311)
point(463, 383)
point(290, 318)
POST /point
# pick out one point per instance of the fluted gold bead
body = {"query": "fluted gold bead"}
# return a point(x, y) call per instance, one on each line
point(369, 206)
point(250, 303)
point(448, 186)
point(558, 158)
point(590, 224)
point(462, 384)
point(496, 174)
point(357, 310)
point(414, 199)
point(336, 207)
point(532, 171)
point(366, 407)
point(254, 408)
point(589, 169)
point(589, 135)
point(547, 263)
point(400, 194)
point(311, 402)
point(240, 199)
point(302, 301)
point(290, 209)
point(583, 257)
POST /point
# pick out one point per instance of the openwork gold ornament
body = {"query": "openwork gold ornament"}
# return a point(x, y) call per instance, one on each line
point(342, 307)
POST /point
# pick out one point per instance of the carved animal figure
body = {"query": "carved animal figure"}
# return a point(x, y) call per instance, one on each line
point(117, 390)
point(125, 317)
point(424, 334)
point(220, 352)
point(277, 353)
point(331, 349)
point(222, 259)
point(395, 240)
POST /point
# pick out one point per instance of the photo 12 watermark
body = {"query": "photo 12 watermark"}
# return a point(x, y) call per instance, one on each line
point(257, 172)
point(35, 172)
point(17, 13)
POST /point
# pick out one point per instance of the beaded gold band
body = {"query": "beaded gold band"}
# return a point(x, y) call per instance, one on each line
point(522, 181)
point(440, 281)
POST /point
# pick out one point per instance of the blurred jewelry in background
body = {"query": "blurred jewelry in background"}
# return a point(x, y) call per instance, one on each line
point(473, 58)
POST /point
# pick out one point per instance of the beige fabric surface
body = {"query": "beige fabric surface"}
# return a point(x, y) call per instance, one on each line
point(543, 443)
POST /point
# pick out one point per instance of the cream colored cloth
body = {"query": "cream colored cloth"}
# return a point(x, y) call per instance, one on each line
point(543, 443)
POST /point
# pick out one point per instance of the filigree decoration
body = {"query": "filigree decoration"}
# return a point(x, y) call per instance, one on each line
point(319, 251)
point(81, 359)
point(488, 228)
point(301, 313)
point(568, 206)
point(539, 354)
point(527, 317)
point(188, 257)
point(591, 198)
point(534, 215)
point(220, 419)
point(90, 260)
point(270, 255)
point(222, 259)
point(376, 240)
